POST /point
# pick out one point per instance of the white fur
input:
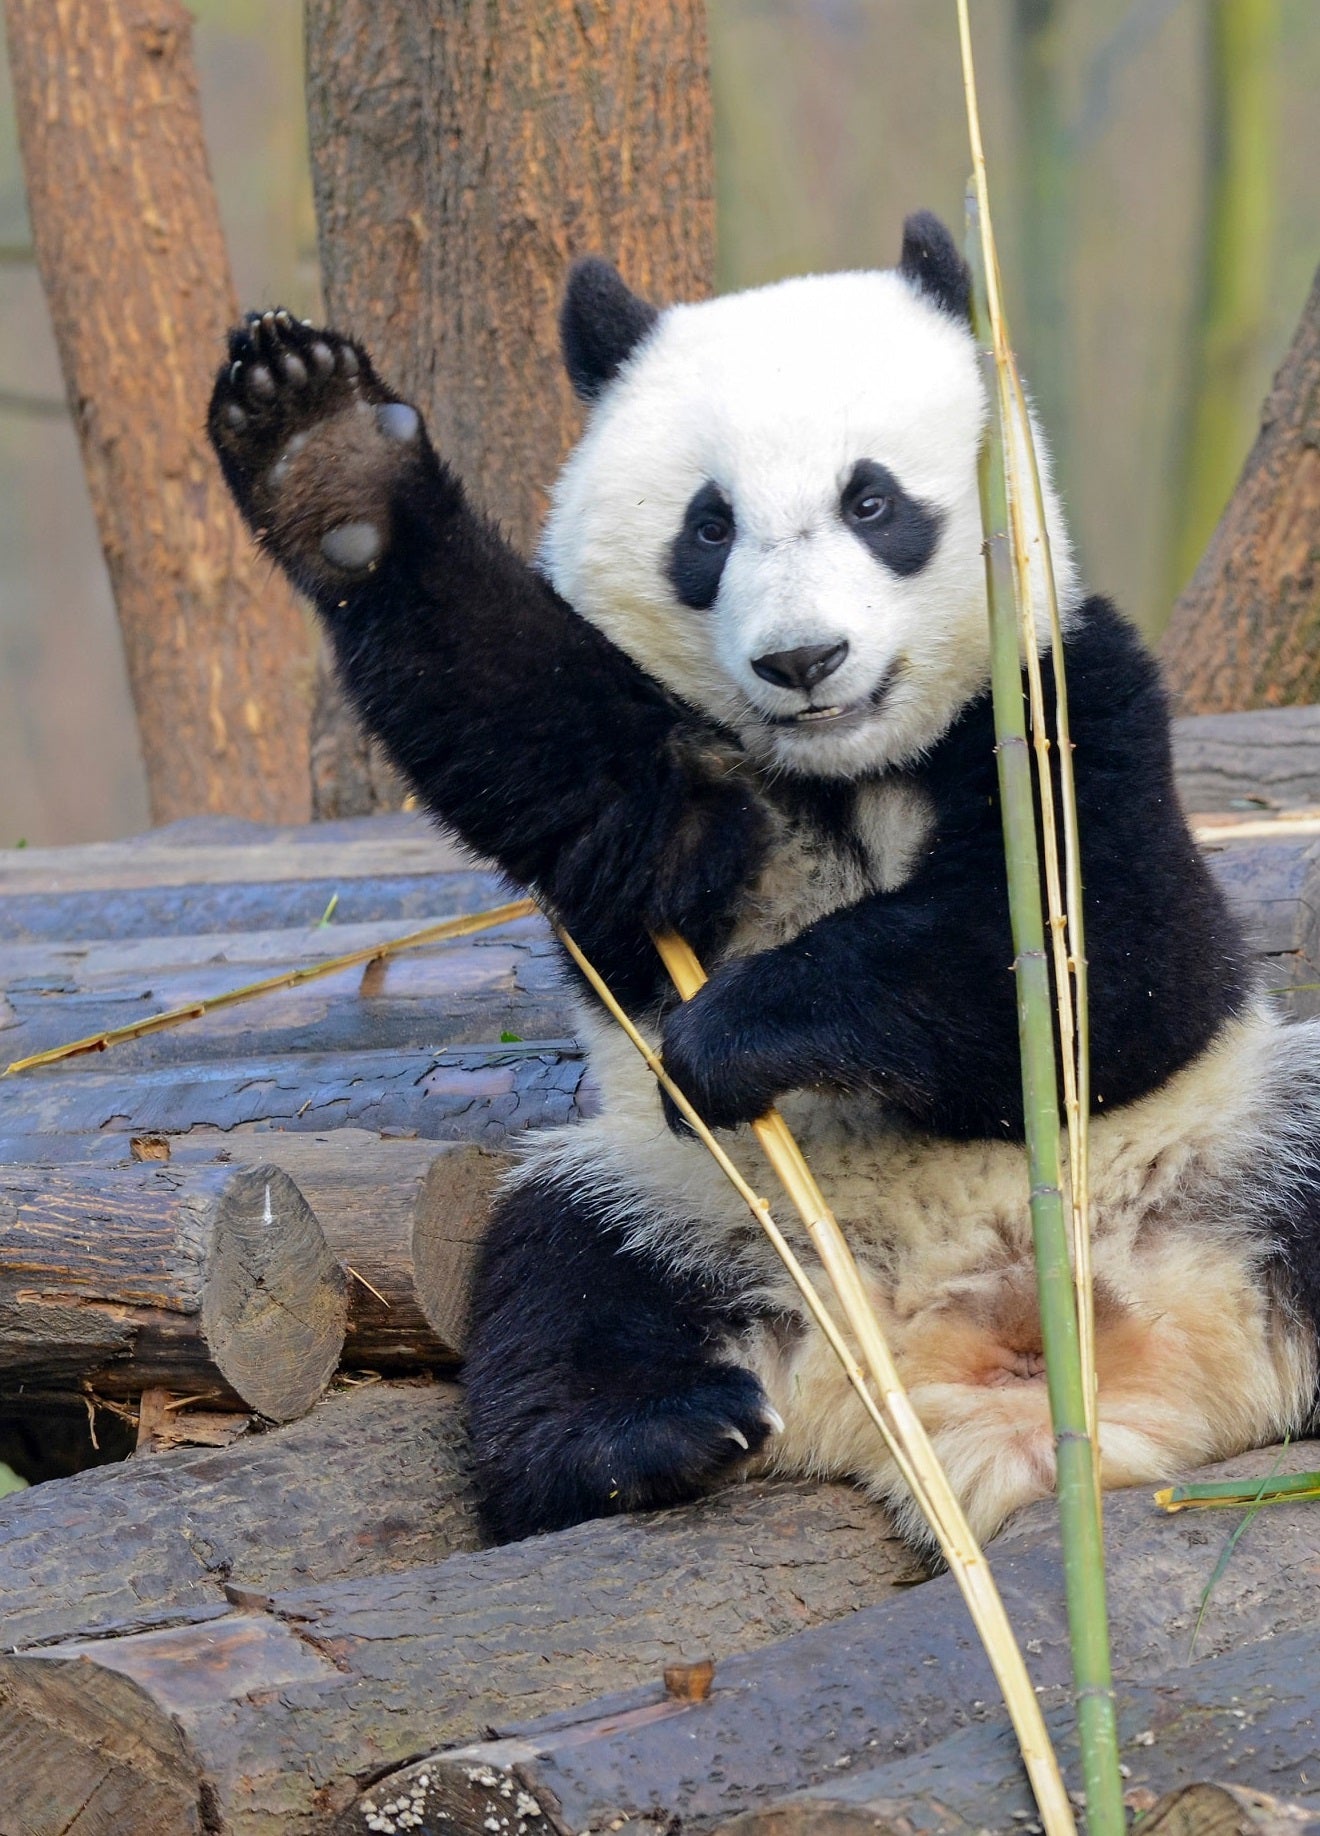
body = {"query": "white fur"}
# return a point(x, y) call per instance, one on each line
point(774, 396)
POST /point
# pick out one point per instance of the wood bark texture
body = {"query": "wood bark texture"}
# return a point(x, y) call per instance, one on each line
point(133, 260)
point(1248, 1716)
point(268, 1715)
point(463, 157)
point(892, 1678)
point(205, 1280)
point(1246, 632)
point(403, 1217)
point(1263, 758)
point(373, 1480)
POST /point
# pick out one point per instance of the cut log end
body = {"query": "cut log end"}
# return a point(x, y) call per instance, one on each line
point(275, 1301)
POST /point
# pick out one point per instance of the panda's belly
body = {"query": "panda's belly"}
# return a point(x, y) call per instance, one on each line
point(1196, 1356)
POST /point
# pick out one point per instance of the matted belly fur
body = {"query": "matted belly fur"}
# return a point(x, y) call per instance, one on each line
point(1198, 1355)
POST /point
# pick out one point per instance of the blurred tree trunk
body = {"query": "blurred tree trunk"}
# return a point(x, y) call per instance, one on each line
point(1233, 285)
point(133, 260)
point(1246, 632)
point(462, 157)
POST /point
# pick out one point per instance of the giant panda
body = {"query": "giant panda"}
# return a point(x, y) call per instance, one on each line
point(742, 695)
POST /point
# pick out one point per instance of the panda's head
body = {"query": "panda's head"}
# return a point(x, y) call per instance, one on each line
point(774, 505)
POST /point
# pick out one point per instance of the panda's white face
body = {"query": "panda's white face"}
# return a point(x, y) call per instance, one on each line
point(774, 510)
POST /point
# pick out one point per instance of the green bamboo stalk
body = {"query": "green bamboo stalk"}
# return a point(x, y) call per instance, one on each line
point(1226, 1493)
point(1008, 588)
point(1083, 1548)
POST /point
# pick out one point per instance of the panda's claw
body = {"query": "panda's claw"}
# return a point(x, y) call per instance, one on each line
point(773, 1420)
point(737, 1435)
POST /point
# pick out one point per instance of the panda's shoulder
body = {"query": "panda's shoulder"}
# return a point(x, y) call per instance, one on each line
point(1110, 669)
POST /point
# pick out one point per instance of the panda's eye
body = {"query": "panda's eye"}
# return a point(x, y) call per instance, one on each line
point(714, 531)
point(873, 508)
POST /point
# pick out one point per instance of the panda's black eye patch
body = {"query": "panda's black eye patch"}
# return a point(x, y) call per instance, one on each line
point(701, 547)
point(898, 530)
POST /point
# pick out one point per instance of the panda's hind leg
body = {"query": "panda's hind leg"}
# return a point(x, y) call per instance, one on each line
point(598, 1380)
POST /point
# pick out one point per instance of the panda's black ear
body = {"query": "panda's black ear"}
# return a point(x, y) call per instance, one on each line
point(601, 322)
point(931, 261)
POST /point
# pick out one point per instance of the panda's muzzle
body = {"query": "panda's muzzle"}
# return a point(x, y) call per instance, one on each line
point(813, 716)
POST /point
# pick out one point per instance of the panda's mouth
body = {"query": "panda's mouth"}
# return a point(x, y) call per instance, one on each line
point(842, 713)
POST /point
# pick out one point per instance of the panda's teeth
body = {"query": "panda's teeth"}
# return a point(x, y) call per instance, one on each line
point(818, 714)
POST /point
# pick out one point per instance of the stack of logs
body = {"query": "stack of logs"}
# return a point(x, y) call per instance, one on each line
point(266, 1215)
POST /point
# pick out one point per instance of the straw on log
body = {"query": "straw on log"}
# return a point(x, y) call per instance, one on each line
point(374, 1479)
point(206, 1280)
point(270, 1716)
point(1248, 1716)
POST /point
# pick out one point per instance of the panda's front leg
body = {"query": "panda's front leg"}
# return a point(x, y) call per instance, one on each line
point(598, 1380)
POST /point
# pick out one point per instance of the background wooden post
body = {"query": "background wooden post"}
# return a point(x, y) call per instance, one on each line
point(462, 157)
point(1246, 632)
point(133, 260)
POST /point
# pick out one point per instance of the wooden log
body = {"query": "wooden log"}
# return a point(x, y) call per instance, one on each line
point(1248, 1716)
point(196, 1280)
point(270, 1716)
point(1268, 757)
point(404, 1218)
point(201, 907)
point(402, 1215)
point(373, 1480)
point(892, 1679)
point(487, 1093)
point(439, 996)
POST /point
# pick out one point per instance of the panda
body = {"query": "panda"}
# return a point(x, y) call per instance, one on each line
point(742, 695)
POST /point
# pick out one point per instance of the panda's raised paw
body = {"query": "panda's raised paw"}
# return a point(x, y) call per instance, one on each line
point(281, 378)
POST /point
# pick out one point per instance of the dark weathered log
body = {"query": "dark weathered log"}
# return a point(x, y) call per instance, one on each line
point(132, 257)
point(894, 1678)
point(1268, 757)
point(1272, 879)
point(485, 1093)
point(462, 157)
point(1249, 1716)
point(206, 909)
point(116, 866)
point(1244, 633)
point(373, 1480)
point(403, 1216)
point(270, 1715)
point(443, 995)
point(197, 1280)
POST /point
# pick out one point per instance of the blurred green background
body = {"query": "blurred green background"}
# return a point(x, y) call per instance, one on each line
point(1155, 167)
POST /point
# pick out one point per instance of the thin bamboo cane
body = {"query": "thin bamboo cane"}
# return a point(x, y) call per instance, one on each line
point(1008, 590)
point(465, 926)
point(930, 1487)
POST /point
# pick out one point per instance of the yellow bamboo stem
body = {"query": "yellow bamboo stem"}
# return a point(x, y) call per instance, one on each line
point(465, 926)
point(925, 1476)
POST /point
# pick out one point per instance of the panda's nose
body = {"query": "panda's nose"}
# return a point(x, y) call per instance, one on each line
point(801, 669)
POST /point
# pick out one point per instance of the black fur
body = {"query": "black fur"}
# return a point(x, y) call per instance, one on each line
point(593, 1384)
point(591, 1380)
point(601, 323)
point(930, 260)
point(896, 527)
point(701, 547)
